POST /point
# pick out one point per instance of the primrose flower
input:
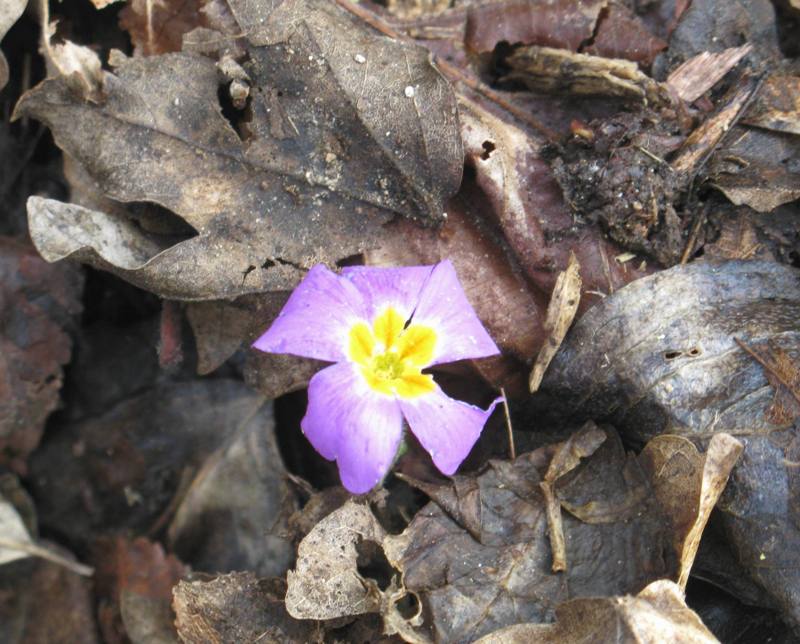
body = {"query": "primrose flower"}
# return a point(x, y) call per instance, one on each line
point(382, 327)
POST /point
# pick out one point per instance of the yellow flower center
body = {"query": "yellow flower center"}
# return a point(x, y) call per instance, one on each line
point(391, 356)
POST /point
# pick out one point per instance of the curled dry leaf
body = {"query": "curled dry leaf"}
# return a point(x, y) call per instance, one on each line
point(36, 302)
point(566, 458)
point(325, 583)
point(657, 614)
point(479, 556)
point(238, 608)
point(134, 583)
point(560, 313)
point(544, 69)
point(289, 188)
point(689, 484)
point(17, 543)
point(10, 12)
point(660, 356)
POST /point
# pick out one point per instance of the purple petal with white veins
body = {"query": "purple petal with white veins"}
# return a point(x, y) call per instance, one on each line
point(316, 320)
point(347, 421)
point(445, 427)
point(443, 306)
point(381, 287)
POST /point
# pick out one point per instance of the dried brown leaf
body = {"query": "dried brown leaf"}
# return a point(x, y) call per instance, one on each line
point(560, 313)
point(325, 583)
point(657, 614)
point(10, 12)
point(238, 608)
point(233, 515)
point(307, 174)
point(560, 23)
point(688, 484)
point(36, 302)
point(620, 33)
point(479, 554)
point(659, 356)
point(783, 375)
point(158, 26)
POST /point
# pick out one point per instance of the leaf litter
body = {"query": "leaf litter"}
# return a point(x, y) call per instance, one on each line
point(215, 150)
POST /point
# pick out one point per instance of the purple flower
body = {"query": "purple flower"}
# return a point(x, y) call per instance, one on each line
point(382, 327)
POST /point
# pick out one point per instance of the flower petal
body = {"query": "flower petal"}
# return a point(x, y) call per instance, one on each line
point(382, 287)
point(446, 428)
point(316, 321)
point(443, 306)
point(348, 422)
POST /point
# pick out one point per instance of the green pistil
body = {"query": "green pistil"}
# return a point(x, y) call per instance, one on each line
point(388, 366)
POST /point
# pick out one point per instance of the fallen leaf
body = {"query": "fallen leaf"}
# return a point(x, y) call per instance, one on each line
point(234, 514)
point(479, 555)
point(777, 105)
point(620, 33)
point(659, 356)
point(757, 168)
point(738, 238)
point(10, 12)
point(134, 583)
point(158, 27)
point(783, 376)
point(132, 463)
point(560, 313)
point(36, 302)
point(17, 543)
point(559, 23)
point(43, 602)
point(689, 484)
point(325, 583)
point(238, 608)
point(657, 614)
point(288, 189)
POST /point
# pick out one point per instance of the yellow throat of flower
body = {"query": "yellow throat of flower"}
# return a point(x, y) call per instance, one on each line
point(391, 356)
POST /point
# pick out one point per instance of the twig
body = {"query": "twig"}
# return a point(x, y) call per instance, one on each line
point(512, 450)
point(693, 233)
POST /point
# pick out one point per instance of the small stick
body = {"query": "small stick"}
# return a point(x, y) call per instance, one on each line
point(693, 233)
point(512, 450)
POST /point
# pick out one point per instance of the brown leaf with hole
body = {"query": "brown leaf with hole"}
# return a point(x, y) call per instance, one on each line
point(325, 583)
point(560, 313)
point(307, 179)
point(657, 614)
point(36, 302)
point(238, 608)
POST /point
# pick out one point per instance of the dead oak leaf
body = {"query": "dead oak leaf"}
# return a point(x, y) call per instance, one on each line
point(657, 614)
point(335, 147)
